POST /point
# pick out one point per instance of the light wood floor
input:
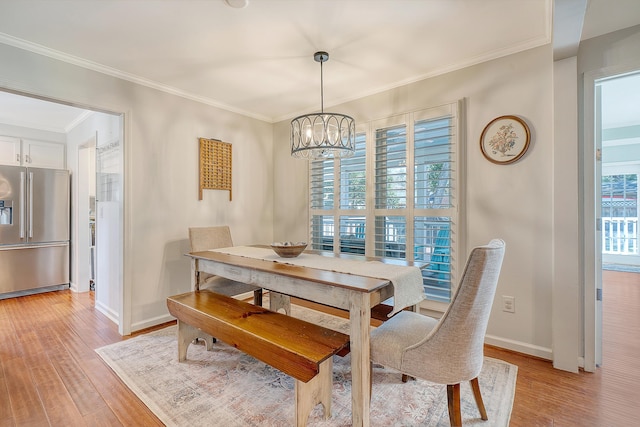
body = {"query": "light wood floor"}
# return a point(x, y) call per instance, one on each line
point(50, 375)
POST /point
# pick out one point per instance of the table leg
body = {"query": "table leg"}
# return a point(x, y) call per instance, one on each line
point(360, 319)
point(195, 275)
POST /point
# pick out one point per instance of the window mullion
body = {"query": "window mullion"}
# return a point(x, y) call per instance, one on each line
point(370, 175)
point(410, 185)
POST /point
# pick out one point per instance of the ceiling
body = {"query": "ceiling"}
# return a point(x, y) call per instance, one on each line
point(258, 60)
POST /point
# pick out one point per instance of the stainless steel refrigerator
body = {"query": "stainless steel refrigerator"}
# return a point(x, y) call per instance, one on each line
point(34, 229)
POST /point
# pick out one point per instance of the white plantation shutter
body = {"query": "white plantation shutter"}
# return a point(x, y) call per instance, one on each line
point(322, 232)
point(433, 163)
point(352, 234)
point(321, 191)
point(353, 200)
point(353, 184)
point(391, 236)
point(435, 210)
point(397, 197)
point(391, 167)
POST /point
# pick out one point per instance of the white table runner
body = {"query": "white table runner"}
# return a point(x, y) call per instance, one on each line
point(406, 280)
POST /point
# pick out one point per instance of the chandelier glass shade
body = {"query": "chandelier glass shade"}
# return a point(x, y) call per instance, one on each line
point(322, 135)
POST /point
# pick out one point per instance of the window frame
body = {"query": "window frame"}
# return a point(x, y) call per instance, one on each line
point(371, 212)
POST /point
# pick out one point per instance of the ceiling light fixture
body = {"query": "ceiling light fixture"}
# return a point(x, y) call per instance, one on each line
point(322, 135)
point(237, 4)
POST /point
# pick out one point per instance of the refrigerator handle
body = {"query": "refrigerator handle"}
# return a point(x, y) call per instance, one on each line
point(30, 205)
point(22, 205)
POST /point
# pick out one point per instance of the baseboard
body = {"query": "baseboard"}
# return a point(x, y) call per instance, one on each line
point(246, 296)
point(581, 362)
point(34, 291)
point(519, 346)
point(111, 314)
point(148, 323)
point(159, 320)
point(76, 288)
point(73, 287)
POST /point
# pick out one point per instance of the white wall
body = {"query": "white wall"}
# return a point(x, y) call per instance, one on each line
point(28, 133)
point(513, 202)
point(164, 181)
point(612, 51)
point(161, 173)
point(566, 305)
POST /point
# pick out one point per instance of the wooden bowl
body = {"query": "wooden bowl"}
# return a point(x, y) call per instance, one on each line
point(288, 249)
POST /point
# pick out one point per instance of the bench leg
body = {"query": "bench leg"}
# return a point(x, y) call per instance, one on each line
point(280, 301)
point(317, 390)
point(186, 334)
point(208, 340)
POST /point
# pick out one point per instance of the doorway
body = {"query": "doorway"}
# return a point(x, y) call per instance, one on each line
point(615, 161)
point(619, 100)
point(109, 215)
point(98, 207)
point(94, 156)
point(84, 277)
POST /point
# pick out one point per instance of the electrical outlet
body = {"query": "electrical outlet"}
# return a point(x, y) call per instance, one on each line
point(508, 304)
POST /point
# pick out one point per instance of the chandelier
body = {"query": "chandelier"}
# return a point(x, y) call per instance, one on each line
point(322, 135)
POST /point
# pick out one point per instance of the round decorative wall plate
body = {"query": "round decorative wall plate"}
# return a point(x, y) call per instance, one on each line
point(505, 139)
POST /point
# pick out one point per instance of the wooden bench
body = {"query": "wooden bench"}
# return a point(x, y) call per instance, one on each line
point(300, 349)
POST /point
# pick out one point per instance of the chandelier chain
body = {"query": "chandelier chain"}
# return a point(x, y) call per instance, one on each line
point(321, 89)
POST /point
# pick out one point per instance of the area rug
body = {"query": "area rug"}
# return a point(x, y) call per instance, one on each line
point(225, 387)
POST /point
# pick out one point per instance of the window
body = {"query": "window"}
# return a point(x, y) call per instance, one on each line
point(397, 197)
point(391, 168)
point(434, 209)
point(620, 214)
point(353, 185)
point(321, 194)
point(353, 200)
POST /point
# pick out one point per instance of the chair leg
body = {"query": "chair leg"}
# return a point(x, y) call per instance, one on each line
point(453, 398)
point(370, 380)
point(406, 378)
point(478, 396)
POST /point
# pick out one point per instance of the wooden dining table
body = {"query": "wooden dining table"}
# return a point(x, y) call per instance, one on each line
point(355, 293)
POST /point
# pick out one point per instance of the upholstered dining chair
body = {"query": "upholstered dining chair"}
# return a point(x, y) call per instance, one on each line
point(205, 238)
point(449, 350)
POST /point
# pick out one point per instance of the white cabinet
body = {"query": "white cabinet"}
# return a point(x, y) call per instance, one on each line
point(9, 151)
point(40, 154)
point(27, 152)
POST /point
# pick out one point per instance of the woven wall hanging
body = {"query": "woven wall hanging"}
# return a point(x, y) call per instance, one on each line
point(215, 165)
